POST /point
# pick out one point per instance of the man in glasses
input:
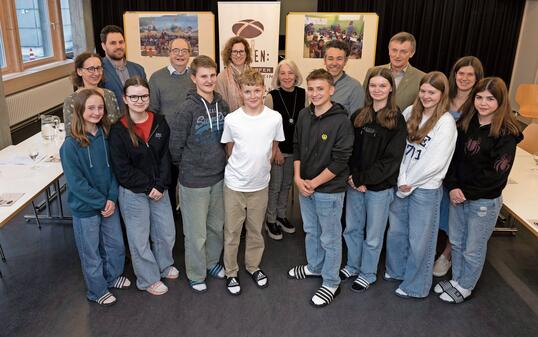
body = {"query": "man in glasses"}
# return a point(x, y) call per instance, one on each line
point(115, 66)
point(169, 85)
point(168, 89)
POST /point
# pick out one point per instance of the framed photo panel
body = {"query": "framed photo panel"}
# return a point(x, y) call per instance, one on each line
point(307, 34)
point(147, 35)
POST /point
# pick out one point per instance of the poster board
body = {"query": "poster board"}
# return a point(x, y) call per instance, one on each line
point(305, 30)
point(254, 21)
point(147, 35)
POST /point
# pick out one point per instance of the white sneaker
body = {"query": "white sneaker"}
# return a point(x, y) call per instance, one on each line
point(157, 288)
point(441, 266)
point(172, 273)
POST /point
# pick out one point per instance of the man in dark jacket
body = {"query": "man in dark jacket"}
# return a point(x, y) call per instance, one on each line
point(116, 68)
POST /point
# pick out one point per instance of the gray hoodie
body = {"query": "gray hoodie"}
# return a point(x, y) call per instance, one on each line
point(195, 140)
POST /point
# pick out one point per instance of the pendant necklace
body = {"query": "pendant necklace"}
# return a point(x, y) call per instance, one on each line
point(290, 116)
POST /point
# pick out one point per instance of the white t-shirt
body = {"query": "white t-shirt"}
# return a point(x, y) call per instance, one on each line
point(424, 165)
point(249, 166)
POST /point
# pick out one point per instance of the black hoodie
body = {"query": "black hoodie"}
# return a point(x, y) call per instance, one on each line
point(481, 163)
point(142, 168)
point(324, 142)
point(377, 154)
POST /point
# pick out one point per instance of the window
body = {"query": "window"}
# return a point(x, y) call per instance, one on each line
point(2, 54)
point(66, 23)
point(32, 33)
point(34, 29)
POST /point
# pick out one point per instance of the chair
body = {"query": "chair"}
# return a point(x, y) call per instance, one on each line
point(527, 98)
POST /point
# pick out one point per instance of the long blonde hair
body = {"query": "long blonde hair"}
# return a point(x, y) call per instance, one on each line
point(78, 126)
point(416, 133)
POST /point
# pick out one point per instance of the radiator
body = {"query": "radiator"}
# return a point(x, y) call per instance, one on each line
point(29, 103)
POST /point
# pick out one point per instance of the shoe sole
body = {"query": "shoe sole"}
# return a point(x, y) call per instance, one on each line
point(286, 229)
point(273, 236)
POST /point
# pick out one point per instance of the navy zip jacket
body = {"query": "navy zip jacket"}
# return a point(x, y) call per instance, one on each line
point(377, 154)
point(147, 166)
point(481, 164)
point(324, 142)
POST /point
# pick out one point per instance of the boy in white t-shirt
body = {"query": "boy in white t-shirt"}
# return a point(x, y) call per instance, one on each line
point(251, 134)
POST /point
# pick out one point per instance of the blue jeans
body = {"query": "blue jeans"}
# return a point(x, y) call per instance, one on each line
point(471, 225)
point(321, 213)
point(145, 220)
point(366, 212)
point(100, 246)
point(202, 211)
point(443, 214)
point(411, 240)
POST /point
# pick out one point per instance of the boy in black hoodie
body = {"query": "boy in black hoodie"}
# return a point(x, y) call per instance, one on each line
point(322, 146)
point(196, 150)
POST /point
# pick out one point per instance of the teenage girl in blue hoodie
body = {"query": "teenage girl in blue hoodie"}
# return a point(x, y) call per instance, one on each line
point(92, 196)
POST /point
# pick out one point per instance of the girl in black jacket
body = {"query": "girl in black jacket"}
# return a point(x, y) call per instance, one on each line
point(487, 137)
point(380, 134)
point(141, 161)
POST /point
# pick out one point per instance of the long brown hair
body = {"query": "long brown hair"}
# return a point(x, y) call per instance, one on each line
point(503, 121)
point(388, 115)
point(464, 62)
point(133, 81)
point(78, 126)
point(416, 133)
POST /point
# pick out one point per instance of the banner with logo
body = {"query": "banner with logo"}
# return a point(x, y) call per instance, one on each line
point(258, 23)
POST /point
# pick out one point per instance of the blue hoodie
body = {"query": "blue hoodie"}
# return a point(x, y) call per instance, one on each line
point(90, 179)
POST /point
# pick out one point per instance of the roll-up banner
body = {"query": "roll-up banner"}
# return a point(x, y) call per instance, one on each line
point(258, 22)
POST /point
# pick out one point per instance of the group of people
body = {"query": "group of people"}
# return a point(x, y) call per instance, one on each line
point(417, 151)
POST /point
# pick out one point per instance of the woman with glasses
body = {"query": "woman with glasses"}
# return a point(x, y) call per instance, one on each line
point(237, 58)
point(88, 74)
point(141, 162)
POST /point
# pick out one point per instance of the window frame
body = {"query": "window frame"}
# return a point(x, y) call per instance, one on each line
point(11, 38)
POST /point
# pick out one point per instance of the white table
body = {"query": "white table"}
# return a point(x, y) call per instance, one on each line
point(32, 179)
point(520, 196)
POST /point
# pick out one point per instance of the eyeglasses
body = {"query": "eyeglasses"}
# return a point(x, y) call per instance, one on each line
point(135, 98)
point(91, 70)
point(238, 52)
point(180, 51)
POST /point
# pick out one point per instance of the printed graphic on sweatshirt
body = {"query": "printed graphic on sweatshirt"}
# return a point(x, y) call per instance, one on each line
point(414, 150)
point(502, 164)
point(472, 147)
point(209, 131)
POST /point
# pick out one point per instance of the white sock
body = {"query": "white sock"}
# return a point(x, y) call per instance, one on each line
point(199, 286)
point(318, 300)
point(464, 292)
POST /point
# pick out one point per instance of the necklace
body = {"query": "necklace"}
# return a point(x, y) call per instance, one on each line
point(290, 116)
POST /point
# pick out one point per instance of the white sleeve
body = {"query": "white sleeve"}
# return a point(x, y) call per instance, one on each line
point(436, 159)
point(279, 132)
point(227, 136)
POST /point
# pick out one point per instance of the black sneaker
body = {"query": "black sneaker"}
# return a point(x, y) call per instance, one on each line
point(273, 230)
point(285, 225)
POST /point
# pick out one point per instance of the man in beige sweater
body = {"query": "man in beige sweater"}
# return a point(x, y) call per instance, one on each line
point(407, 78)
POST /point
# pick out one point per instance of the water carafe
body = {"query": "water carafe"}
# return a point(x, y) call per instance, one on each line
point(48, 126)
